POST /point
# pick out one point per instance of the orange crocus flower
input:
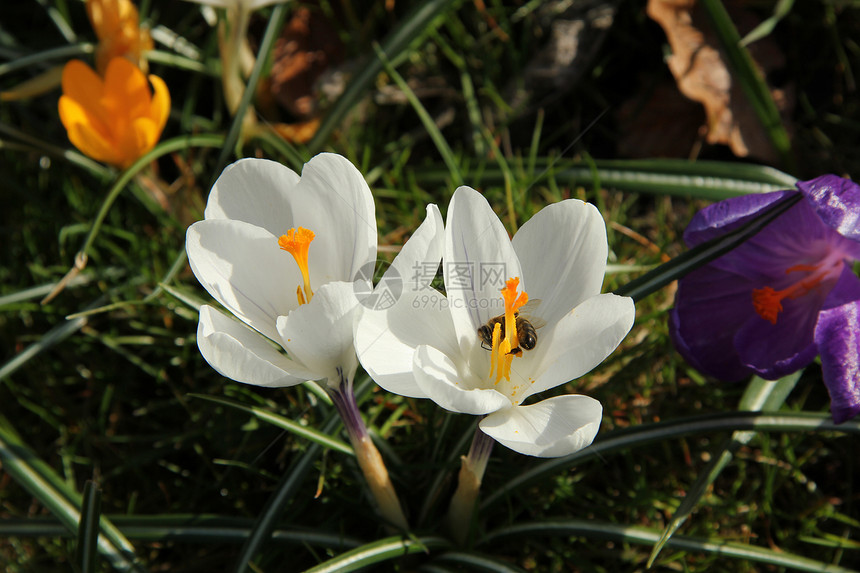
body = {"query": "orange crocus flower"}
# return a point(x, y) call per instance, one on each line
point(117, 27)
point(115, 120)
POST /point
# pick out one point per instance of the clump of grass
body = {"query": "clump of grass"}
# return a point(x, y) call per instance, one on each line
point(114, 395)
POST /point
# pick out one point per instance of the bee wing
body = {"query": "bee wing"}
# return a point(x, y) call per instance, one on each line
point(527, 311)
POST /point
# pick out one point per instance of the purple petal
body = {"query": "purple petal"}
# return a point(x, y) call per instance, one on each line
point(774, 350)
point(796, 237)
point(837, 202)
point(837, 335)
point(727, 215)
point(711, 305)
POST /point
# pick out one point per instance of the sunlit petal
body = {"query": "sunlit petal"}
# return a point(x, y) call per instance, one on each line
point(552, 428)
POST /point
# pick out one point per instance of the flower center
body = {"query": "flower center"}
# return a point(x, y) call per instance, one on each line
point(504, 349)
point(297, 242)
point(768, 301)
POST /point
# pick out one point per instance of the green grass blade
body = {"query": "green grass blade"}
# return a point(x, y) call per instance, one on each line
point(478, 562)
point(46, 341)
point(780, 11)
point(22, 464)
point(318, 437)
point(642, 536)
point(74, 157)
point(702, 254)
point(41, 290)
point(759, 395)
point(211, 68)
point(61, 53)
point(429, 125)
point(378, 552)
point(163, 148)
point(88, 528)
point(184, 528)
point(59, 20)
point(675, 429)
point(714, 180)
point(750, 78)
point(276, 21)
point(415, 24)
point(262, 530)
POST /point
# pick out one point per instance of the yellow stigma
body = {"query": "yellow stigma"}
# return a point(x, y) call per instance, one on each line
point(297, 242)
point(502, 356)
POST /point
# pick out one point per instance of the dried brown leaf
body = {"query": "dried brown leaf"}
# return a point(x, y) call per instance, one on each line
point(703, 75)
point(308, 46)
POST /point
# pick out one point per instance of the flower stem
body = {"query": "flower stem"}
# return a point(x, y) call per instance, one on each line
point(369, 459)
point(468, 483)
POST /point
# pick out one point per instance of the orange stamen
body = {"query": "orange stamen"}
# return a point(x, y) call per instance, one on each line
point(768, 302)
point(502, 357)
point(297, 242)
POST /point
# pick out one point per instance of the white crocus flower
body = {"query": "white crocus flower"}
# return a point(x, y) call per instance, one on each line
point(287, 255)
point(428, 345)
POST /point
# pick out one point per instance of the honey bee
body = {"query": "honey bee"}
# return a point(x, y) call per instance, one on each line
point(526, 328)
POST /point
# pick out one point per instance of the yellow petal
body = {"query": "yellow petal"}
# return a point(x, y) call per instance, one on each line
point(86, 133)
point(159, 108)
point(72, 113)
point(145, 134)
point(126, 89)
point(82, 84)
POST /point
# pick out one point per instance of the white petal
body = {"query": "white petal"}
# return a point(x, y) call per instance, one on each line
point(478, 260)
point(254, 191)
point(562, 250)
point(333, 200)
point(239, 353)
point(418, 260)
point(244, 269)
point(437, 377)
point(385, 340)
point(552, 428)
point(577, 343)
point(320, 334)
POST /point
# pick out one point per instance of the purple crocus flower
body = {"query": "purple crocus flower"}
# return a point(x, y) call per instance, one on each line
point(787, 294)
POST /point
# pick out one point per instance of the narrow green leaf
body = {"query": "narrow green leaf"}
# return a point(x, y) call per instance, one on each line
point(163, 148)
point(429, 125)
point(642, 536)
point(780, 11)
point(88, 528)
point(702, 254)
point(318, 437)
point(478, 562)
point(276, 21)
point(379, 551)
point(211, 68)
point(74, 157)
point(750, 78)
point(272, 511)
point(59, 20)
point(675, 429)
point(714, 180)
point(760, 394)
point(416, 24)
point(46, 341)
point(186, 528)
point(44, 484)
point(40, 291)
point(61, 53)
